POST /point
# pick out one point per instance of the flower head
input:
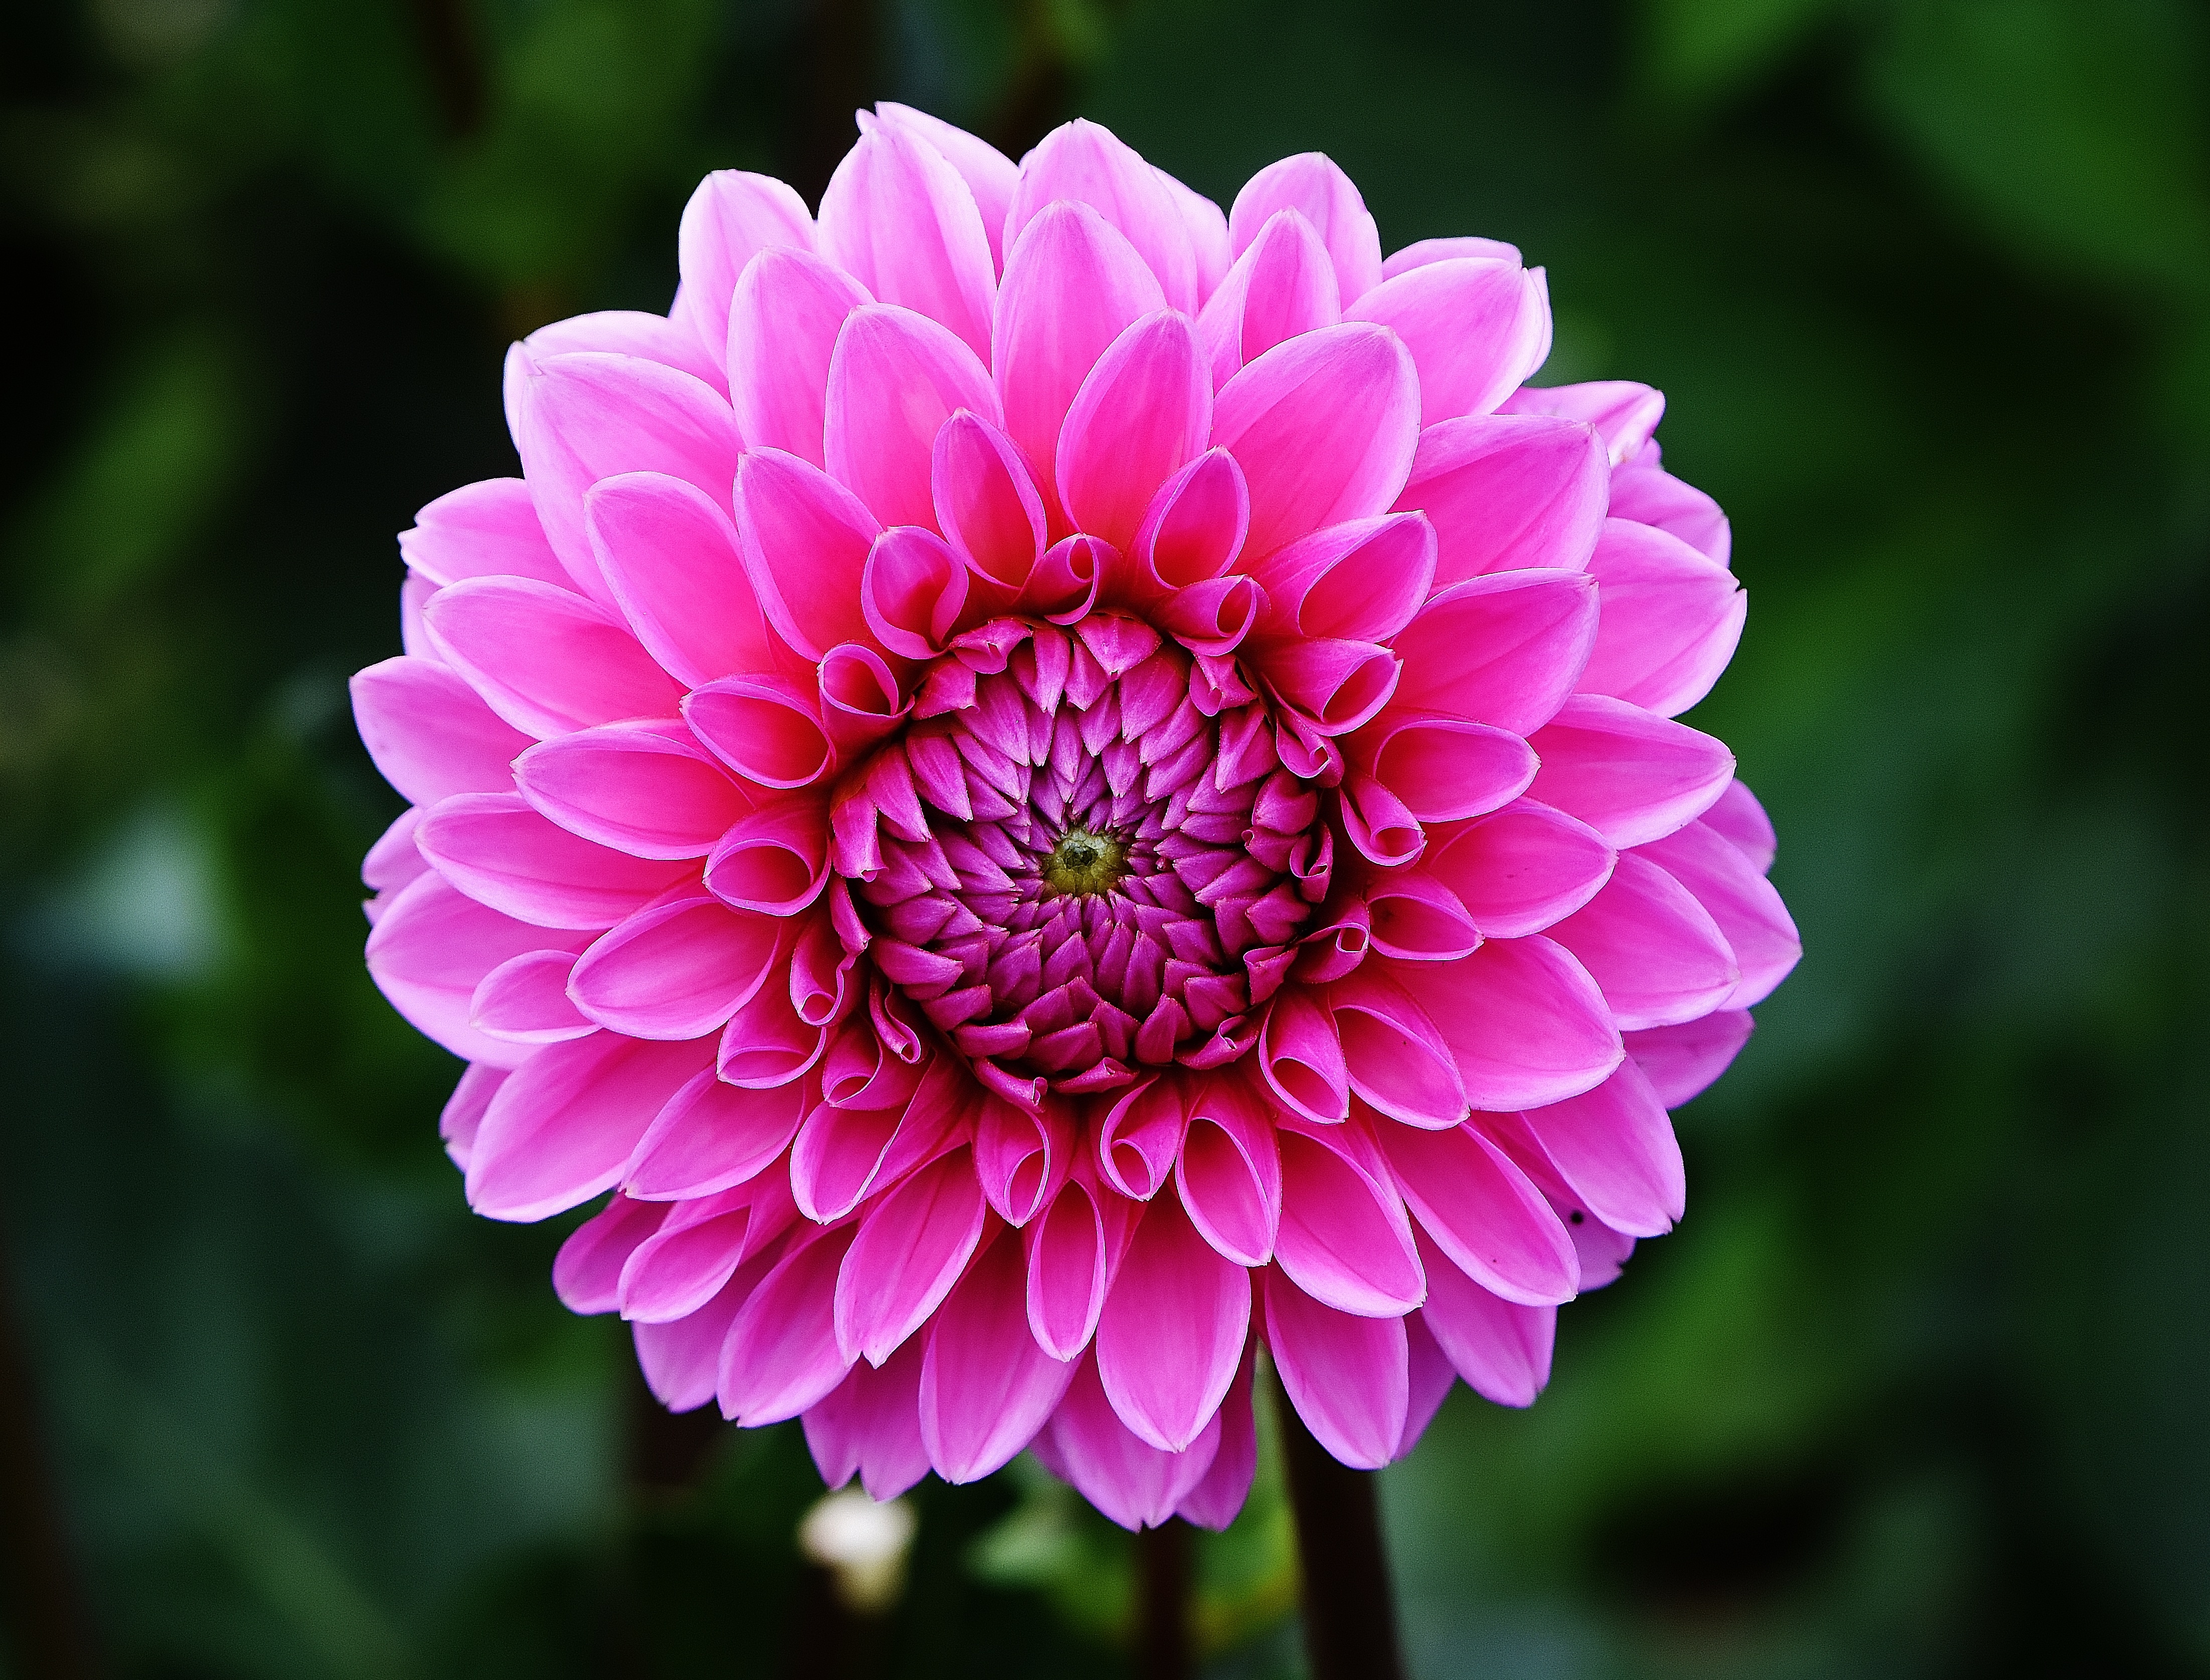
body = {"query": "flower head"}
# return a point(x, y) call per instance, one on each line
point(1047, 786)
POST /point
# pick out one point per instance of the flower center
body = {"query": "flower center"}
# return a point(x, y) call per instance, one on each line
point(1101, 865)
point(1086, 862)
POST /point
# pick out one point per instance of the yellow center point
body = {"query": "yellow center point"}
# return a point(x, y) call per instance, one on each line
point(1083, 861)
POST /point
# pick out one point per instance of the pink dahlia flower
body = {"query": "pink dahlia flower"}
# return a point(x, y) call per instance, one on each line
point(1049, 787)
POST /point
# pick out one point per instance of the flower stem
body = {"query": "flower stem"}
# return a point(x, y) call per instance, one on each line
point(1349, 1612)
point(1163, 1561)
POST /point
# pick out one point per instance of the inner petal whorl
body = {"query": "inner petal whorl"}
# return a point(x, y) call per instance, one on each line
point(1101, 879)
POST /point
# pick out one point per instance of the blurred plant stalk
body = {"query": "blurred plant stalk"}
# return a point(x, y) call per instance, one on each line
point(1349, 1610)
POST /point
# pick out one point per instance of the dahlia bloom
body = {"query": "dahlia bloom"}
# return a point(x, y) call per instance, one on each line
point(1048, 786)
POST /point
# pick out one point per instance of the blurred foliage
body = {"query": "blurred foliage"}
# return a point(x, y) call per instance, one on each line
point(1917, 1389)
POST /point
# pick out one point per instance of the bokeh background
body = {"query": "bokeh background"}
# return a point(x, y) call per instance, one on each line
point(1920, 1386)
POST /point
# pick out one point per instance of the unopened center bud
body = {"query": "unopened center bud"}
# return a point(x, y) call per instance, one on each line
point(1084, 860)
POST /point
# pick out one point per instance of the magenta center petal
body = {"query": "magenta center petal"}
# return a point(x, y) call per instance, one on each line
point(1100, 883)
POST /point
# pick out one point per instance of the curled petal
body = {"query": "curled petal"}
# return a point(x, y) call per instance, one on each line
point(1141, 1136)
point(1337, 684)
point(912, 592)
point(524, 1001)
point(1228, 1172)
point(671, 560)
point(1396, 1057)
point(711, 1136)
point(776, 861)
point(860, 701)
point(988, 506)
point(677, 968)
point(431, 948)
point(1412, 914)
point(1194, 527)
point(1081, 163)
point(1360, 582)
point(1281, 285)
point(1022, 1158)
point(1380, 826)
point(764, 730)
point(894, 380)
point(1074, 1249)
point(1300, 1055)
point(913, 1246)
point(1524, 1022)
point(1444, 769)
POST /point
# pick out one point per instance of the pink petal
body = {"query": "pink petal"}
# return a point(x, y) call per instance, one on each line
point(1651, 496)
point(672, 342)
point(677, 968)
point(1630, 776)
point(776, 861)
point(1022, 1158)
point(395, 860)
point(1430, 1376)
point(431, 948)
point(1281, 285)
point(914, 1245)
point(841, 1154)
point(899, 220)
point(681, 1359)
point(871, 1424)
point(1508, 491)
point(648, 790)
point(524, 1001)
point(1505, 649)
point(1324, 427)
point(1073, 1251)
point(1737, 815)
point(545, 659)
point(1615, 1146)
point(430, 732)
point(1682, 1061)
point(1215, 1502)
point(1757, 927)
point(1360, 582)
point(699, 1247)
point(1444, 769)
point(1084, 164)
point(502, 852)
point(587, 417)
point(1476, 329)
point(1422, 252)
point(1139, 1137)
point(1502, 1348)
point(767, 1044)
point(986, 1387)
point(764, 730)
point(670, 558)
point(1228, 1172)
point(986, 502)
point(990, 175)
point(711, 1136)
point(562, 1128)
point(1380, 825)
point(1412, 915)
point(1144, 411)
point(913, 591)
point(1518, 870)
point(1344, 1373)
point(1073, 284)
point(1300, 1055)
point(1312, 184)
point(1484, 1212)
point(1671, 619)
point(1336, 685)
point(1524, 1022)
point(1206, 224)
point(1173, 1329)
point(782, 1355)
point(1656, 952)
point(488, 530)
point(1194, 527)
point(1625, 413)
point(1124, 1476)
point(806, 539)
point(790, 305)
point(1397, 1058)
point(1344, 1236)
point(731, 218)
point(586, 1272)
point(896, 377)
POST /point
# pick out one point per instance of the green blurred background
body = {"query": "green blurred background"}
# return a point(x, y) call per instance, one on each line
point(1921, 1386)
